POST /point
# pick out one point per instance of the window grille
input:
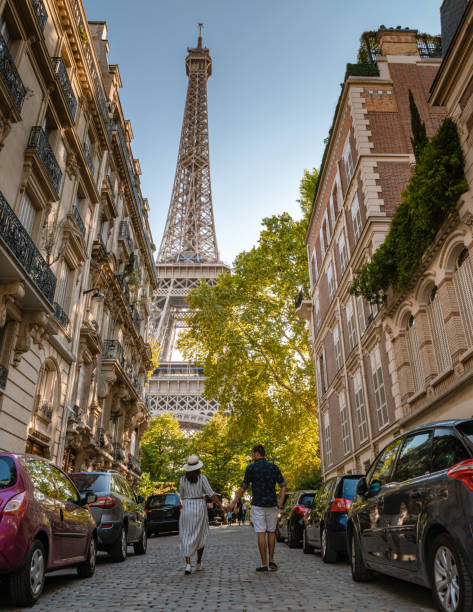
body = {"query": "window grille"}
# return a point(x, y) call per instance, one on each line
point(328, 440)
point(342, 404)
point(378, 388)
point(337, 348)
point(360, 407)
point(356, 218)
point(463, 283)
point(352, 337)
point(438, 332)
point(414, 355)
point(342, 249)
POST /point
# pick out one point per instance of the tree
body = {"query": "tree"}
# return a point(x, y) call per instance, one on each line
point(163, 450)
point(419, 134)
point(307, 188)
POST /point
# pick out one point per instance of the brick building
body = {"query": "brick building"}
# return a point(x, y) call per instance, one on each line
point(367, 163)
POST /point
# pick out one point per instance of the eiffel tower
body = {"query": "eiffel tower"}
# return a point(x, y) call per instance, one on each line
point(188, 254)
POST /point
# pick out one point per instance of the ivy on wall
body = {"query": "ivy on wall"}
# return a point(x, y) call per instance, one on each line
point(430, 196)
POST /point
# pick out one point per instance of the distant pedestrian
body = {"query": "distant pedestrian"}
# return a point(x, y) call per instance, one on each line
point(241, 514)
point(193, 522)
point(263, 476)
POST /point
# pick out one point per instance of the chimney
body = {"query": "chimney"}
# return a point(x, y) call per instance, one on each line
point(451, 13)
point(396, 41)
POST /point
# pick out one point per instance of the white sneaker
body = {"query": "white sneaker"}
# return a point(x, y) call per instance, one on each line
point(198, 567)
point(188, 569)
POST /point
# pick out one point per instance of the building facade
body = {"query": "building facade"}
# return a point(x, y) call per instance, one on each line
point(367, 163)
point(76, 262)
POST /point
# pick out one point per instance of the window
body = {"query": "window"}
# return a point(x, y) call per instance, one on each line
point(64, 286)
point(342, 249)
point(360, 306)
point(463, 283)
point(337, 346)
point(322, 368)
point(447, 450)
point(356, 218)
point(322, 244)
point(65, 489)
point(378, 388)
point(331, 281)
point(348, 160)
point(41, 477)
point(352, 337)
point(315, 271)
point(8, 476)
point(335, 200)
point(134, 435)
point(382, 468)
point(331, 205)
point(360, 407)
point(27, 213)
point(414, 354)
point(317, 311)
point(342, 404)
point(328, 440)
point(439, 335)
point(414, 459)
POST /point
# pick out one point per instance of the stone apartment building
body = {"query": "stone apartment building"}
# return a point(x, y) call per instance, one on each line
point(367, 163)
point(76, 261)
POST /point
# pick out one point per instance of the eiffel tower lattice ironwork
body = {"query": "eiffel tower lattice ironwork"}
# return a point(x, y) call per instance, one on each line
point(188, 254)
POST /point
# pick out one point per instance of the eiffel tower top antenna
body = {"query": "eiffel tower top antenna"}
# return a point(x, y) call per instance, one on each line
point(199, 42)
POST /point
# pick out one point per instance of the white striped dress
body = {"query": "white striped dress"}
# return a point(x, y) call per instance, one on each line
point(193, 522)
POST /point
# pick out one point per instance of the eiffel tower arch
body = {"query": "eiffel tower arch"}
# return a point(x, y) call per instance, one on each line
point(188, 254)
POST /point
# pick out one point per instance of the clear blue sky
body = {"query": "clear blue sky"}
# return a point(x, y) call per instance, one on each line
point(277, 68)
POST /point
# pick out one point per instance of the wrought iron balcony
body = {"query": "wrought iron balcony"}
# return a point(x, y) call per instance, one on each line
point(134, 465)
point(60, 316)
point(125, 235)
point(88, 158)
point(10, 75)
point(429, 47)
point(124, 285)
point(3, 376)
point(18, 241)
point(44, 409)
point(41, 12)
point(39, 142)
point(78, 220)
point(63, 78)
point(118, 453)
point(113, 350)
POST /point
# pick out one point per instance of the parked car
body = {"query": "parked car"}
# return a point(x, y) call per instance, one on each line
point(45, 525)
point(412, 516)
point(118, 513)
point(163, 512)
point(326, 522)
point(216, 515)
point(290, 520)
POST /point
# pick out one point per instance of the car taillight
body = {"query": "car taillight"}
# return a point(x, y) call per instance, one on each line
point(16, 506)
point(301, 510)
point(179, 507)
point(463, 471)
point(103, 502)
point(340, 504)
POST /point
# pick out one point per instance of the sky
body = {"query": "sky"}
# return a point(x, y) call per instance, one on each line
point(277, 66)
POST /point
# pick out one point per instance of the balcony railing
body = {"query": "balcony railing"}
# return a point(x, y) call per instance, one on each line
point(113, 350)
point(124, 285)
point(118, 453)
point(124, 233)
point(60, 316)
point(41, 13)
point(44, 409)
point(10, 75)
point(39, 142)
point(63, 78)
point(430, 48)
point(88, 158)
point(3, 376)
point(78, 220)
point(134, 465)
point(17, 239)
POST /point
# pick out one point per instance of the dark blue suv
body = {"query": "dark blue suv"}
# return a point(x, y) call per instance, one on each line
point(326, 522)
point(412, 516)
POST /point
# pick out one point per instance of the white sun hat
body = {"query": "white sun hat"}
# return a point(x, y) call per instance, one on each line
point(193, 463)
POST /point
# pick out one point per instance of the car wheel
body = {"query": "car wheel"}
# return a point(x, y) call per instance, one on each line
point(118, 551)
point(359, 571)
point(87, 568)
point(292, 538)
point(328, 554)
point(141, 546)
point(26, 585)
point(451, 582)
point(306, 547)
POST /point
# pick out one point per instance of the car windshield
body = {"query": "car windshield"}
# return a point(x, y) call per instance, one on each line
point(170, 499)
point(306, 500)
point(7, 472)
point(349, 487)
point(91, 482)
point(467, 430)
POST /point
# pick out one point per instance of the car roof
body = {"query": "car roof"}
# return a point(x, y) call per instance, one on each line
point(81, 473)
point(444, 423)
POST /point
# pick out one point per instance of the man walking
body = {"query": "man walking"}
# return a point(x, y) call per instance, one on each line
point(263, 476)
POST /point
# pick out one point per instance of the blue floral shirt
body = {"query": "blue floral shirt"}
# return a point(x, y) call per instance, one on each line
point(263, 476)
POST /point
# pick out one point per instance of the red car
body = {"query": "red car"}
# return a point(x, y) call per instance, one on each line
point(44, 525)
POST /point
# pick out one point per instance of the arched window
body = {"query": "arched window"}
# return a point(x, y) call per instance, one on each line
point(414, 354)
point(438, 332)
point(463, 283)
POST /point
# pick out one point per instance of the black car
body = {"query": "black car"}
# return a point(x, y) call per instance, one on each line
point(412, 516)
point(290, 520)
point(216, 515)
point(163, 512)
point(326, 522)
point(118, 512)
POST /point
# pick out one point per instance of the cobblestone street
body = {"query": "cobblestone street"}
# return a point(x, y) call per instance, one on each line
point(228, 582)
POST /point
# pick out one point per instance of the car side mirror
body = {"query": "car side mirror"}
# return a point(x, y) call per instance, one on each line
point(375, 487)
point(361, 486)
point(89, 498)
point(140, 499)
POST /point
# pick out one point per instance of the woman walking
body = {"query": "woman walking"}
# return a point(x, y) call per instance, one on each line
point(193, 522)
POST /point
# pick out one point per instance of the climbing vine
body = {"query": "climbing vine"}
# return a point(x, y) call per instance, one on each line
point(430, 196)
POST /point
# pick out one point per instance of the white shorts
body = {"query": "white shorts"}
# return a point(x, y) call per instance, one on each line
point(264, 519)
